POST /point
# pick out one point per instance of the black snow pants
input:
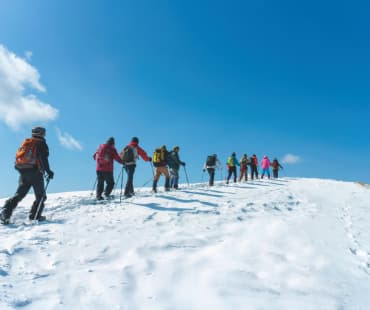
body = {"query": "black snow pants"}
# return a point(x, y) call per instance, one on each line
point(28, 178)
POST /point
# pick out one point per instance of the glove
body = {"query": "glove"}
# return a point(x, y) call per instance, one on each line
point(50, 174)
point(204, 170)
point(183, 164)
point(150, 159)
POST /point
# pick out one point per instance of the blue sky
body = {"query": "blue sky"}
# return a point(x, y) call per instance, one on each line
point(264, 77)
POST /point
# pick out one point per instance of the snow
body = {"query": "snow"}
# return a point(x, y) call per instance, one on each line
point(267, 244)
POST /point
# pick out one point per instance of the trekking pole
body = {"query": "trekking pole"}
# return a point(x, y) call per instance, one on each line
point(151, 164)
point(42, 199)
point(151, 178)
point(186, 174)
point(117, 180)
point(120, 194)
point(202, 176)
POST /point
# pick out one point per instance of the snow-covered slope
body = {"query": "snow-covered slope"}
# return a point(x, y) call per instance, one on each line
point(267, 244)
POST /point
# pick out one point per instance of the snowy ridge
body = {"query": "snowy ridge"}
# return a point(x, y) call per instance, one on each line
point(266, 244)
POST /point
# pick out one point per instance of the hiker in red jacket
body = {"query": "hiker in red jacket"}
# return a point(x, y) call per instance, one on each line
point(104, 156)
point(130, 154)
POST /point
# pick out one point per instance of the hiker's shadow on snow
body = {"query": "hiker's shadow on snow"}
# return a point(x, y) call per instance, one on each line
point(240, 186)
point(259, 184)
point(202, 193)
point(158, 207)
point(210, 204)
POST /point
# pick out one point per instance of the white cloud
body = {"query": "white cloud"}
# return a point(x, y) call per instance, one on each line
point(68, 141)
point(16, 107)
point(291, 159)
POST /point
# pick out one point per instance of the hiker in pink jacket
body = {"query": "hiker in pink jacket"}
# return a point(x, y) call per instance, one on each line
point(265, 164)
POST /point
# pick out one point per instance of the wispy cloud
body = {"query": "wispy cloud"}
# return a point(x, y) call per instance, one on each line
point(16, 107)
point(291, 159)
point(68, 141)
point(28, 55)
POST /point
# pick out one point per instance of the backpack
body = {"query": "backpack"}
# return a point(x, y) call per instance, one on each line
point(211, 160)
point(158, 157)
point(26, 156)
point(104, 154)
point(127, 154)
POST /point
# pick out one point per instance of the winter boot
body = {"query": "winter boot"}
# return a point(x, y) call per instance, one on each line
point(3, 219)
point(167, 185)
point(155, 186)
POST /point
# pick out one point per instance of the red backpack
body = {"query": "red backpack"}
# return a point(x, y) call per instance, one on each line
point(26, 156)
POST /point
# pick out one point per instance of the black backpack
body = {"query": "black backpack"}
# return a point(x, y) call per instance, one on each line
point(127, 154)
point(211, 160)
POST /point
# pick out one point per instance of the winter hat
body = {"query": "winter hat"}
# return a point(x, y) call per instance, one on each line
point(110, 140)
point(38, 131)
point(233, 154)
point(176, 148)
point(135, 139)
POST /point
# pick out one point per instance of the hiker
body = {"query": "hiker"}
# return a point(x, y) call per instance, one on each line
point(275, 168)
point(161, 158)
point(244, 162)
point(254, 166)
point(130, 154)
point(211, 164)
point(105, 156)
point(232, 162)
point(265, 164)
point(31, 163)
point(175, 163)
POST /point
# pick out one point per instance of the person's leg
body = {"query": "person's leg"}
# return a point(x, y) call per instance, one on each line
point(108, 176)
point(23, 187)
point(234, 172)
point(167, 176)
point(37, 181)
point(175, 178)
point(156, 178)
point(100, 184)
point(129, 188)
point(230, 171)
point(211, 172)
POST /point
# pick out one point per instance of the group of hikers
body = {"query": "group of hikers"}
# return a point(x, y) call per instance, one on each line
point(33, 165)
point(212, 163)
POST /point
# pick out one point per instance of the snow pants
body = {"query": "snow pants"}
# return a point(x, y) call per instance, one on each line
point(211, 172)
point(254, 172)
point(28, 178)
point(232, 171)
point(104, 176)
point(129, 188)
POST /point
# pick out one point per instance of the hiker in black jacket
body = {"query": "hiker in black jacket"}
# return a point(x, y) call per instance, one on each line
point(174, 164)
point(31, 167)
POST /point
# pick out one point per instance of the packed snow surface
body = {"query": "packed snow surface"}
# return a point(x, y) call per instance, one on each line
point(264, 244)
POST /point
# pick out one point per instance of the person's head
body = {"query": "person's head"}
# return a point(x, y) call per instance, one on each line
point(254, 155)
point(265, 156)
point(38, 132)
point(233, 154)
point(214, 155)
point(135, 139)
point(176, 148)
point(110, 141)
point(245, 155)
point(163, 147)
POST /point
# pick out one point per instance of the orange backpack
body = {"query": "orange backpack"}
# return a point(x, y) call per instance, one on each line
point(26, 156)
